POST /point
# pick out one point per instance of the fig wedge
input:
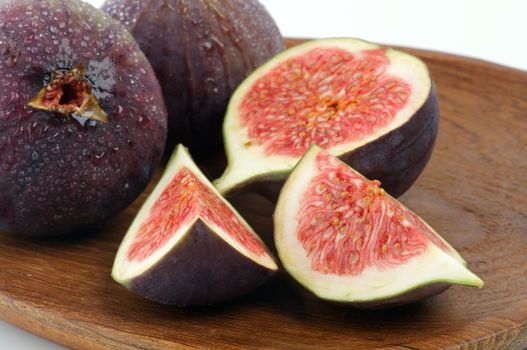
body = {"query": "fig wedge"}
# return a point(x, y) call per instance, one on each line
point(188, 246)
point(346, 240)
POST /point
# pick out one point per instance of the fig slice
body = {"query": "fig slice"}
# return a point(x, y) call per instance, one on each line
point(346, 240)
point(373, 107)
point(188, 246)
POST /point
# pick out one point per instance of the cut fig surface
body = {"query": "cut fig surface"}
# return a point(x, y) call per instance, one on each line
point(346, 240)
point(188, 246)
point(373, 107)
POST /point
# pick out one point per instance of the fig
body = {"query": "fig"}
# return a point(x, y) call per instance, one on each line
point(82, 118)
point(373, 107)
point(346, 240)
point(188, 246)
point(201, 51)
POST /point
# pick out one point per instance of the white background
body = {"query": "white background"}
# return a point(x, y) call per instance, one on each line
point(486, 29)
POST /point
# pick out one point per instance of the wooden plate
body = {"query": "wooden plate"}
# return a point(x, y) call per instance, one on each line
point(473, 192)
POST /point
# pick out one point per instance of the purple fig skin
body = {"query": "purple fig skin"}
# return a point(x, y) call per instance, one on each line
point(396, 159)
point(201, 51)
point(410, 297)
point(399, 157)
point(59, 174)
point(202, 269)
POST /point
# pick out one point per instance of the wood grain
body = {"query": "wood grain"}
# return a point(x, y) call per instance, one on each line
point(472, 192)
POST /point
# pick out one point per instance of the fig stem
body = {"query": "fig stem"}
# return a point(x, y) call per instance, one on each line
point(70, 93)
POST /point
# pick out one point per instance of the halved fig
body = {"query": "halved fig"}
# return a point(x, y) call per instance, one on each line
point(346, 240)
point(373, 107)
point(188, 246)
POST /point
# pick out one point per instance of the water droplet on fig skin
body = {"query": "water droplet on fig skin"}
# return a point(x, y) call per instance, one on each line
point(55, 150)
point(207, 45)
point(10, 59)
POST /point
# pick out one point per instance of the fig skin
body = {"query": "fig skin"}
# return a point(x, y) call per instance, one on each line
point(191, 275)
point(201, 51)
point(396, 158)
point(413, 296)
point(399, 157)
point(58, 175)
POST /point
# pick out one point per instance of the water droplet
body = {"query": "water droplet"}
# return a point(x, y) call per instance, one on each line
point(79, 118)
point(34, 155)
point(207, 45)
point(52, 138)
point(10, 56)
point(55, 150)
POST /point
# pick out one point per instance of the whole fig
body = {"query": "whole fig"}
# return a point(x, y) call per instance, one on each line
point(82, 118)
point(201, 50)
